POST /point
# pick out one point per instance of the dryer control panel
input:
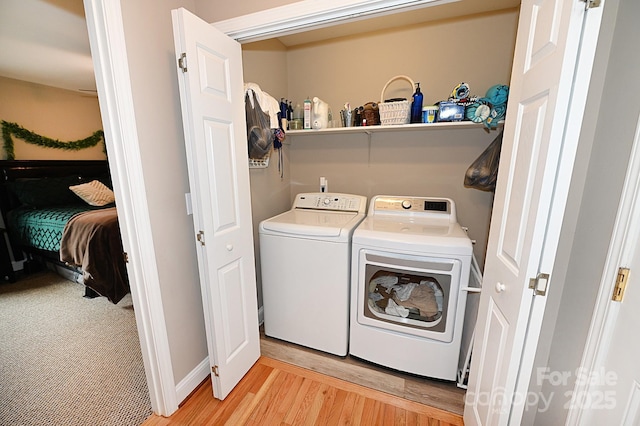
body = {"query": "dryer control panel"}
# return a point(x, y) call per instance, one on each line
point(418, 207)
point(331, 201)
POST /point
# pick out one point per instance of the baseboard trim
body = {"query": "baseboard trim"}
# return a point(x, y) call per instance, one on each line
point(201, 372)
point(192, 380)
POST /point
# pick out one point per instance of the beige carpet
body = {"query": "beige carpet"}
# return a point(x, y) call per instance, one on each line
point(67, 360)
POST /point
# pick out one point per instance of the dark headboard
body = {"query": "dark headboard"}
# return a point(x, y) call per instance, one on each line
point(24, 169)
point(13, 170)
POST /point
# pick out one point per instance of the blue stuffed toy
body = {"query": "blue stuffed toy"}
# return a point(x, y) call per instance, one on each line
point(496, 97)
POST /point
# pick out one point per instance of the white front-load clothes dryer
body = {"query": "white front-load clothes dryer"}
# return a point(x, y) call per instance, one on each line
point(410, 268)
point(305, 257)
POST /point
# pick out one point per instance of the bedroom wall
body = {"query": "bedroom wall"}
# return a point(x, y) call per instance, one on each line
point(55, 113)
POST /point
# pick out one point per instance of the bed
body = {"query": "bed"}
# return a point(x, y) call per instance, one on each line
point(48, 222)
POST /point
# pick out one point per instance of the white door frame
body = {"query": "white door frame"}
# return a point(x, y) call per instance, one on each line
point(109, 53)
point(605, 312)
point(313, 14)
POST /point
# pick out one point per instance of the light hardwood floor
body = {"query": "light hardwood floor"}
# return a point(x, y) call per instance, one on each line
point(293, 385)
point(435, 393)
point(279, 393)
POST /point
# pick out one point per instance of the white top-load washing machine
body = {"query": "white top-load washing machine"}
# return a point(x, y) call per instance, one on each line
point(410, 267)
point(305, 257)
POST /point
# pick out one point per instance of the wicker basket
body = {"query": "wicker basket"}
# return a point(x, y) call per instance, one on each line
point(398, 112)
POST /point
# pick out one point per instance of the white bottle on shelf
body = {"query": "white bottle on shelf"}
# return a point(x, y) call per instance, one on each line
point(319, 114)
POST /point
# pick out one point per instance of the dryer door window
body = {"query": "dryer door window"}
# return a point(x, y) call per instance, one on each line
point(395, 295)
point(413, 295)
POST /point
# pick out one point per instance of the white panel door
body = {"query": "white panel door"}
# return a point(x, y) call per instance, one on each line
point(528, 207)
point(212, 98)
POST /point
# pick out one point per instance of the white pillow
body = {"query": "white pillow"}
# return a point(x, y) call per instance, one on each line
point(94, 193)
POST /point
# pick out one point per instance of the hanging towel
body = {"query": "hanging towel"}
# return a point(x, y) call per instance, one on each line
point(268, 104)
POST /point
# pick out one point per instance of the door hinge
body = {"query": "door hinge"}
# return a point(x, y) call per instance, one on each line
point(126, 257)
point(621, 284)
point(200, 237)
point(214, 370)
point(539, 284)
point(590, 4)
point(182, 62)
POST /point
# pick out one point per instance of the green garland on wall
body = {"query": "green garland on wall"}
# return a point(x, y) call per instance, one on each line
point(18, 131)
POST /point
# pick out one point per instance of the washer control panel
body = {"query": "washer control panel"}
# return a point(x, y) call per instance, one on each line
point(331, 201)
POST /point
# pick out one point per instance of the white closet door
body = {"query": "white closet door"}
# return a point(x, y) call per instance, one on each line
point(212, 98)
point(535, 165)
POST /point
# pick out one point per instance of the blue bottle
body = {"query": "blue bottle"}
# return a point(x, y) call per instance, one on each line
point(416, 106)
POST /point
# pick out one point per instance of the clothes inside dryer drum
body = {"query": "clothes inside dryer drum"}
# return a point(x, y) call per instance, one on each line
point(405, 295)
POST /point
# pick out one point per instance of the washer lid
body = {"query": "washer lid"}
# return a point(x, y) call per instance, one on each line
point(312, 223)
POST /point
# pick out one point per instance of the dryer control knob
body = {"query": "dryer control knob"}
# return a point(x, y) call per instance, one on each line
point(327, 201)
point(406, 204)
